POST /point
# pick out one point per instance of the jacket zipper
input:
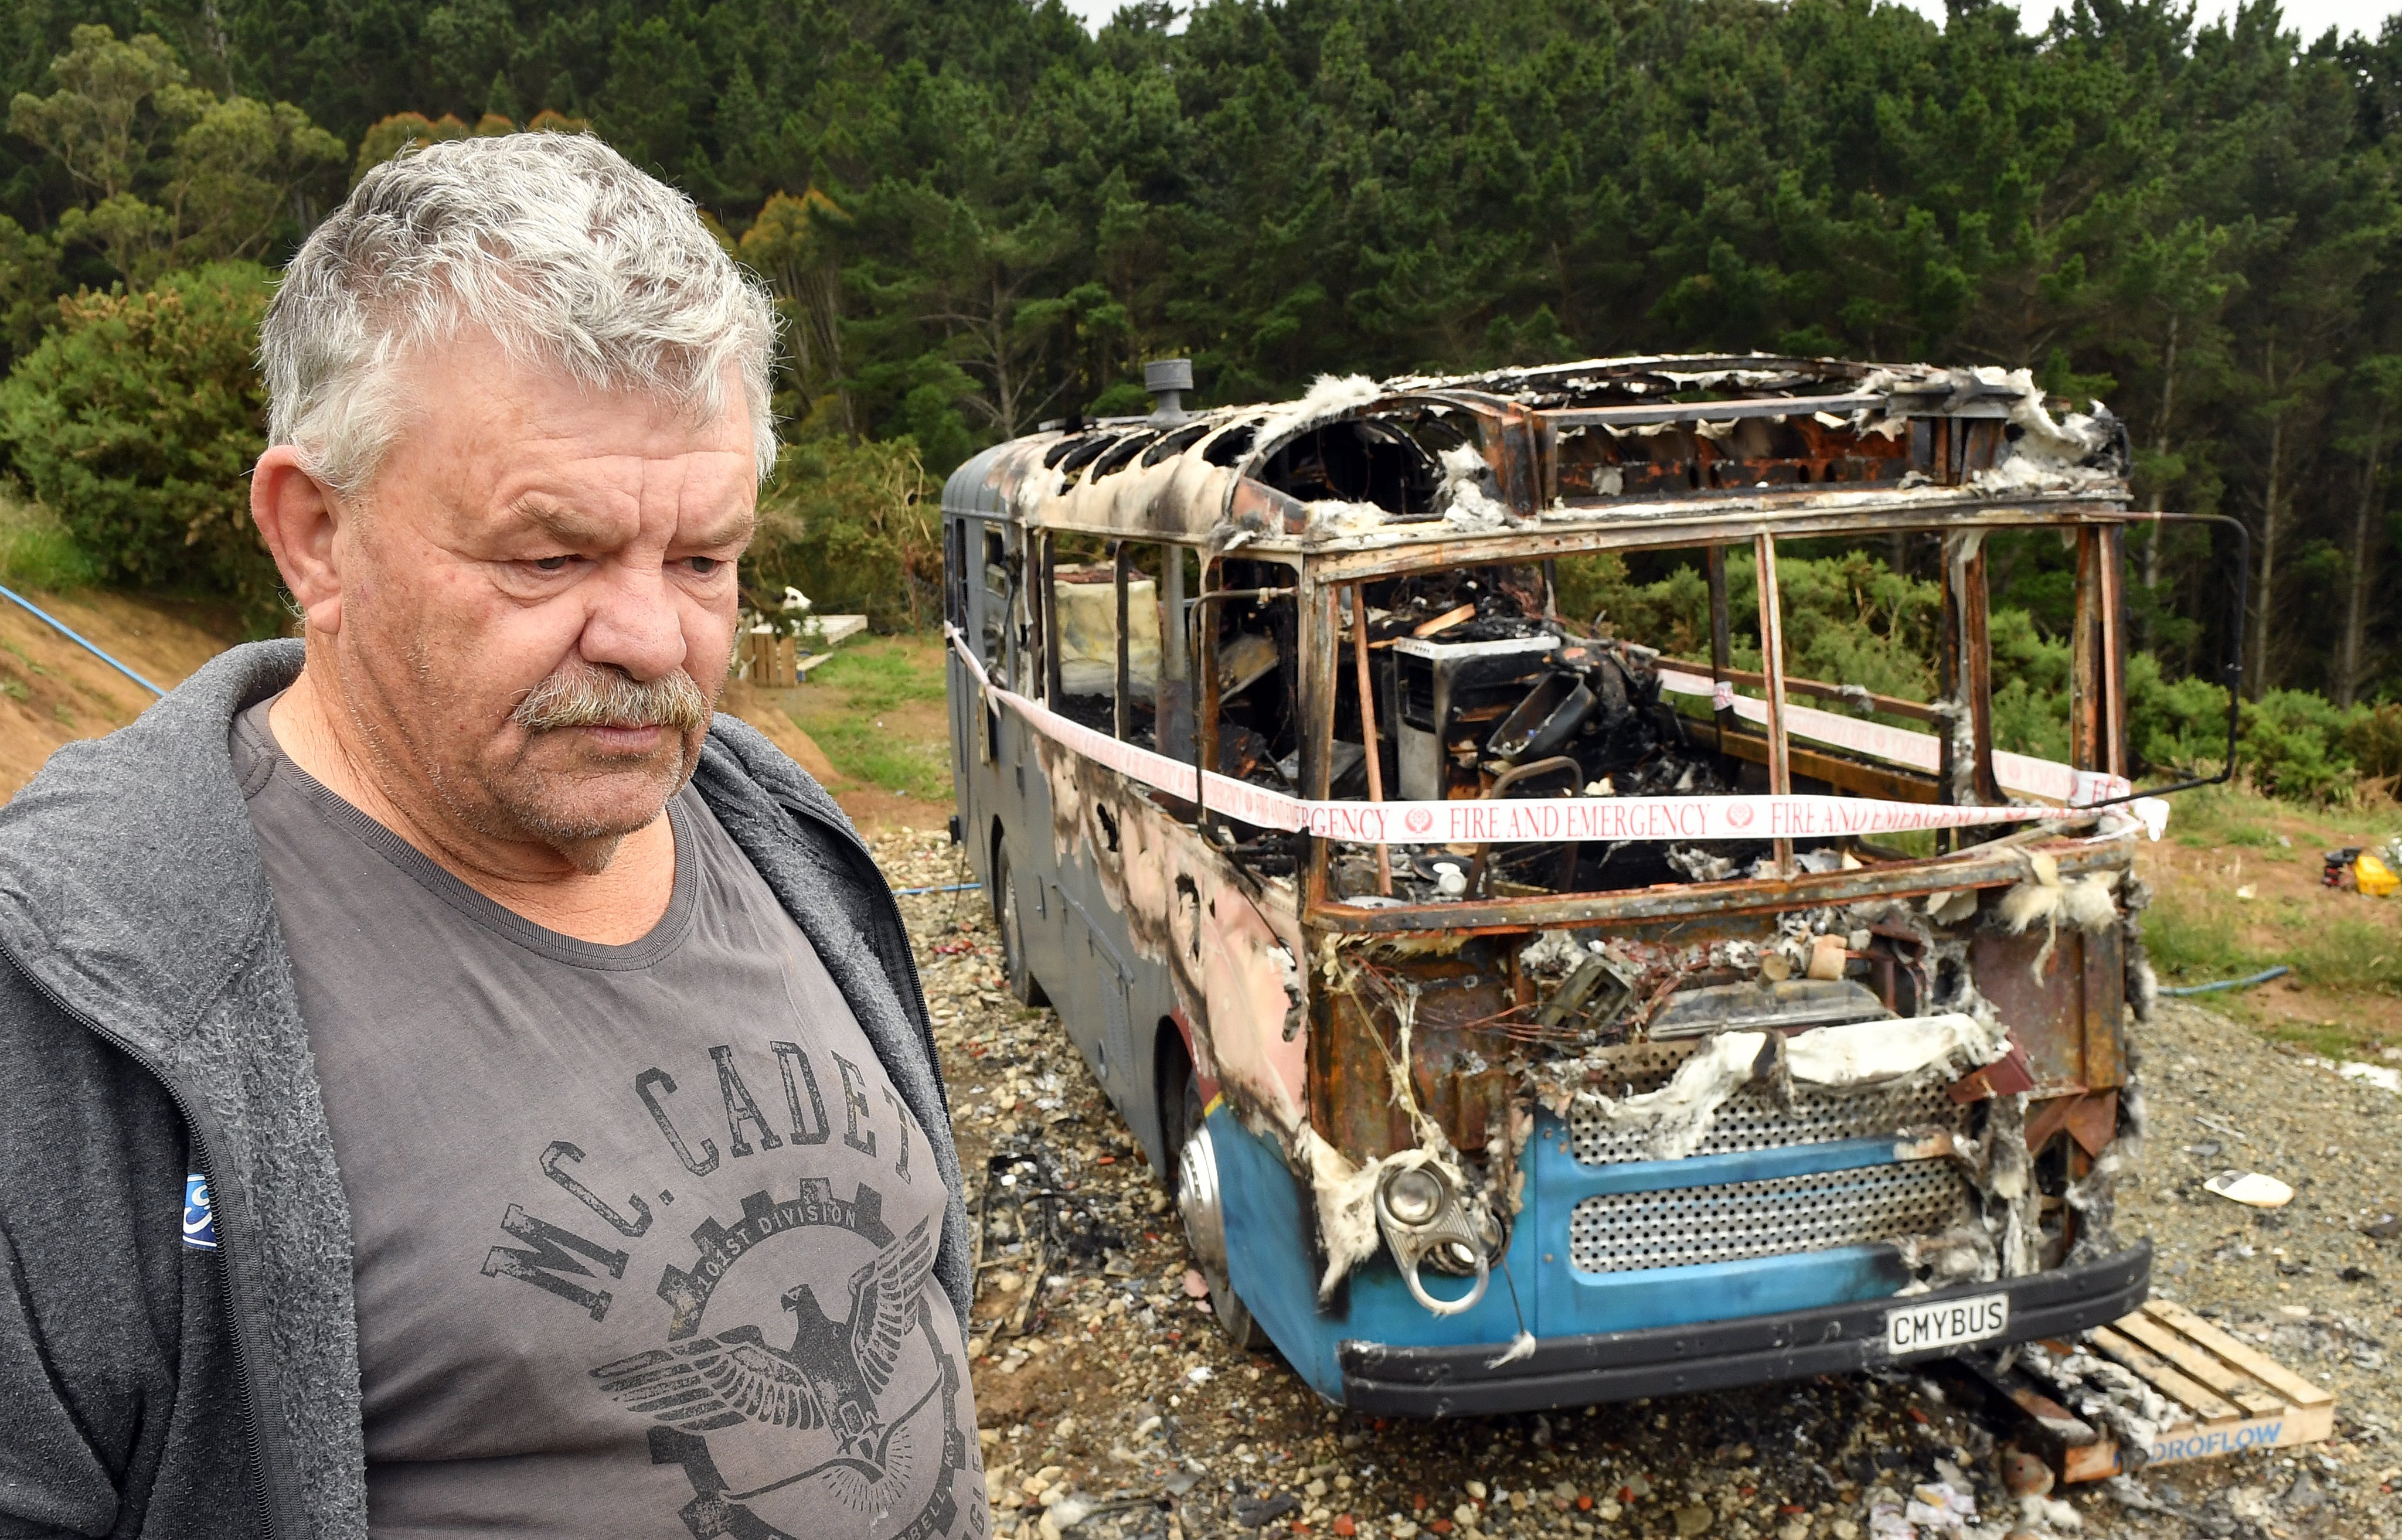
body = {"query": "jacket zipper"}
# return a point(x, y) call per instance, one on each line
point(252, 1436)
point(892, 915)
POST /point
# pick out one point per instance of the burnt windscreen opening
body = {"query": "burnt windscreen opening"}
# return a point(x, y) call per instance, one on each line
point(1643, 674)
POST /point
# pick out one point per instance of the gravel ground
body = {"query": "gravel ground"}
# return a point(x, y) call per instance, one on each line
point(1110, 1406)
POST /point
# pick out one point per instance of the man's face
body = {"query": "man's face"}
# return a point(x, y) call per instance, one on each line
point(538, 598)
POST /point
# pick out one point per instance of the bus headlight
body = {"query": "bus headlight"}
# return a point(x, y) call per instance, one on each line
point(1414, 1196)
point(1426, 1223)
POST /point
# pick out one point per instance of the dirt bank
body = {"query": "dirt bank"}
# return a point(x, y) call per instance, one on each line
point(53, 691)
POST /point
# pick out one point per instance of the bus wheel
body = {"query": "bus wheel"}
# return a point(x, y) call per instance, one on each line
point(1198, 1197)
point(1005, 918)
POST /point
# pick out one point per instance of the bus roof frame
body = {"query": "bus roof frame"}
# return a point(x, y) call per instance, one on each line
point(1209, 493)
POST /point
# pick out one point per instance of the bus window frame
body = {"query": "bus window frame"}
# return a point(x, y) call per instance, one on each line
point(2096, 686)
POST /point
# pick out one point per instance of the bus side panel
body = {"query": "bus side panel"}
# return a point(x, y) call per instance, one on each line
point(1113, 998)
point(1230, 948)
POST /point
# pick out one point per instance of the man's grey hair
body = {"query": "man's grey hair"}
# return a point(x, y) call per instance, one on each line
point(552, 242)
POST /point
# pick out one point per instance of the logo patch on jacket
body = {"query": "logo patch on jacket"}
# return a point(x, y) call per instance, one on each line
point(199, 1214)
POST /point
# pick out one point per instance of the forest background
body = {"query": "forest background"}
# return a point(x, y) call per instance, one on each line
point(975, 216)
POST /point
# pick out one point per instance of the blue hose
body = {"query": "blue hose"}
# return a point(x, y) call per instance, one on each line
point(2262, 977)
point(59, 626)
point(955, 887)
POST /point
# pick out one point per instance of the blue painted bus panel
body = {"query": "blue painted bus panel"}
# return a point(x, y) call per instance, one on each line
point(1274, 1263)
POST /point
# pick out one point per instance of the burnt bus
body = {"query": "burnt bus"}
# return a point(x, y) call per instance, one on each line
point(1532, 1013)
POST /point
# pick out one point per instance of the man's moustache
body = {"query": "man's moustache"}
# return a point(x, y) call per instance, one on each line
point(605, 698)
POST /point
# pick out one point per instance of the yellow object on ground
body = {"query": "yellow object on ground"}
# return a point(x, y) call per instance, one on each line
point(2375, 878)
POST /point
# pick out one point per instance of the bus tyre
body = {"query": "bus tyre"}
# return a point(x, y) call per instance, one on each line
point(1197, 1197)
point(1012, 926)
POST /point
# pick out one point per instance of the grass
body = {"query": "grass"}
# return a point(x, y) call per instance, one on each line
point(2345, 950)
point(36, 552)
point(889, 671)
point(2349, 964)
point(877, 709)
point(2191, 942)
point(2210, 817)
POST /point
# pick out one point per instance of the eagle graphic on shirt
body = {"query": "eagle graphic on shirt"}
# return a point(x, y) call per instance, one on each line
point(830, 1376)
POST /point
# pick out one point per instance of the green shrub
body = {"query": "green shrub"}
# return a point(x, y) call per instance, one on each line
point(1847, 618)
point(37, 551)
point(2174, 725)
point(2031, 675)
point(137, 420)
point(2374, 739)
point(1852, 620)
point(2293, 746)
point(854, 527)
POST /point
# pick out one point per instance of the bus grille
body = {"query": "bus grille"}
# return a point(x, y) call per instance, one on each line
point(1749, 1120)
point(1621, 1232)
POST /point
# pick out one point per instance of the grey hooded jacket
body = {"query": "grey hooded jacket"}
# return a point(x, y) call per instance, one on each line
point(149, 1030)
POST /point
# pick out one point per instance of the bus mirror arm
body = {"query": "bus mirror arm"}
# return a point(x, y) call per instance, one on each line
point(2230, 672)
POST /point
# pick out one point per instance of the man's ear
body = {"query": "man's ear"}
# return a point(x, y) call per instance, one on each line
point(301, 517)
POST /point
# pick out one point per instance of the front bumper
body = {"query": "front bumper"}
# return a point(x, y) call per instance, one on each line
point(1619, 1366)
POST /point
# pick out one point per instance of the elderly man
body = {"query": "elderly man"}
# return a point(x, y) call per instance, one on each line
point(456, 1087)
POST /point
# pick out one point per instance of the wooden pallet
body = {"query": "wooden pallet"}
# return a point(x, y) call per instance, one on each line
point(2240, 1398)
point(774, 662)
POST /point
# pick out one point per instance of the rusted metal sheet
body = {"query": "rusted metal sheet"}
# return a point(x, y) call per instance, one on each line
point(2066, 1015)
point(1772, 652)
point(1968, 674)
point(2101, 1003)
point(2097, 716)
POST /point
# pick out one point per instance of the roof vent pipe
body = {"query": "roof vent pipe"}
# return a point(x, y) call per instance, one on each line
point(1168, 379)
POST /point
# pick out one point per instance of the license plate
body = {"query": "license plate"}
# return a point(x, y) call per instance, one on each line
point(1950, 1323)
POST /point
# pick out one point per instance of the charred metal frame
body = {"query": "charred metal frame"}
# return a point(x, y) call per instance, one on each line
point(2110, 568)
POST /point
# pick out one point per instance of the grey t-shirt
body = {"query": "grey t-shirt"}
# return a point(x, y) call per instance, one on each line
point(643, 1236)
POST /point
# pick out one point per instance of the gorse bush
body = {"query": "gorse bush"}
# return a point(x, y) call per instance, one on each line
point(1848, 618)
point(2374, 739)
point(136, 421)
